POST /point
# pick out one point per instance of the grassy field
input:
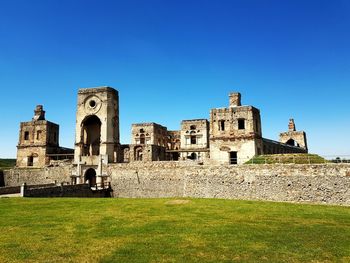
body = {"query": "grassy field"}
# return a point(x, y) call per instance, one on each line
point(170, 230)
point(7, 163)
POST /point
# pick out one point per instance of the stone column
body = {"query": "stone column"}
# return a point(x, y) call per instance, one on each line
point(23, 189)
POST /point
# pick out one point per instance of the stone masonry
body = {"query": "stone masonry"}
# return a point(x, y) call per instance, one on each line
point(201, 159)
point(320, 183)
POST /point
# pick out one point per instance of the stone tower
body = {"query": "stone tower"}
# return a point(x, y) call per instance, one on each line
point(235, 132)
point(293, 137)
point(37, 139)
point(96, 132)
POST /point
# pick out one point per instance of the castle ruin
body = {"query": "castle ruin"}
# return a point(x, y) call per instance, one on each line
point(232, 135)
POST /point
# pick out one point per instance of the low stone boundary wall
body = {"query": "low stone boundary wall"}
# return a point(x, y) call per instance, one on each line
point(10, 190)
point(78, 190)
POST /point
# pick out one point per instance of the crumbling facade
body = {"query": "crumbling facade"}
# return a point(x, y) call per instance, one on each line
point(235, 132)
point(96, 134)
point(38, 141)
point(232, 135)
point(293, 137)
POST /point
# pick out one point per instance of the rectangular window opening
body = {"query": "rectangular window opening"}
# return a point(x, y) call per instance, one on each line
point(221, 125)
point(30, 161)
point(26, 135)
point(38, 135)
point(193, 140)
point(233, 157)
point(241, 124)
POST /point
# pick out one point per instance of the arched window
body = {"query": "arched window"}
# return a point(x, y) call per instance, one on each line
point(291, 142)
point(138, 153)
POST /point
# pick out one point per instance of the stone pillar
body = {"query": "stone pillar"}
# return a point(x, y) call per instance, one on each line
point(291, 125)
point(23, 189)
point(39, 113)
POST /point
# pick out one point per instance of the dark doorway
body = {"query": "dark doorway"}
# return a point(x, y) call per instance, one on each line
point(91, 135)
point(2, 181)
point(233, 157)
point(90, 177)
point(138, 153)
point(175, 156)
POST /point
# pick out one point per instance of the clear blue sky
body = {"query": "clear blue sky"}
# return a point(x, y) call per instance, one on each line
point(174, 60)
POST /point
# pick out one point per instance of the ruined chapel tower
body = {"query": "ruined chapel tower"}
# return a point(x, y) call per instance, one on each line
point(293, 137)
point(96, 132)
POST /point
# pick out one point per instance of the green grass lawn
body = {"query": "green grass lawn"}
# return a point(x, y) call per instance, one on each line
point(164, 230)
point(7, 163)
point(298, 158)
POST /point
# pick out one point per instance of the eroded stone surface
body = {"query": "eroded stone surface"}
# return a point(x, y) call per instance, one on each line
point(321, 183)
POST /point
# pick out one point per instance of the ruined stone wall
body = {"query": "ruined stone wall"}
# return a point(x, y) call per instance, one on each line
point(146, 153)
point(319, 183)
point(236, 130)
point(149, 133)
point(220, 150)
point(32, 176)
point(174, 140)
point(235, 122)
point(40, 133)
point(323, 183)
point(195, 134)
point(298, 136)
point(273, 147)
point(37, 153)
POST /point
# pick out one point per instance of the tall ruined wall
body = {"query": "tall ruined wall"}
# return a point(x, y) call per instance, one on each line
point(325, 183)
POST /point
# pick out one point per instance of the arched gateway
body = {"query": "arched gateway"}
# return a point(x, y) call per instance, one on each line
point(90, 177)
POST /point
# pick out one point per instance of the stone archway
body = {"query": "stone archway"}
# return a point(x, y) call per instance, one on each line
point(138, 153)
point(90, 177)
point(292, 142)
point(91, 135)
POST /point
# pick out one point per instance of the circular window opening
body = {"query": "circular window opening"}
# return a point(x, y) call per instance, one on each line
point(92, 103)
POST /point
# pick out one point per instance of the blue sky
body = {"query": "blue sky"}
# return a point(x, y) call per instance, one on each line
point(174, 60)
